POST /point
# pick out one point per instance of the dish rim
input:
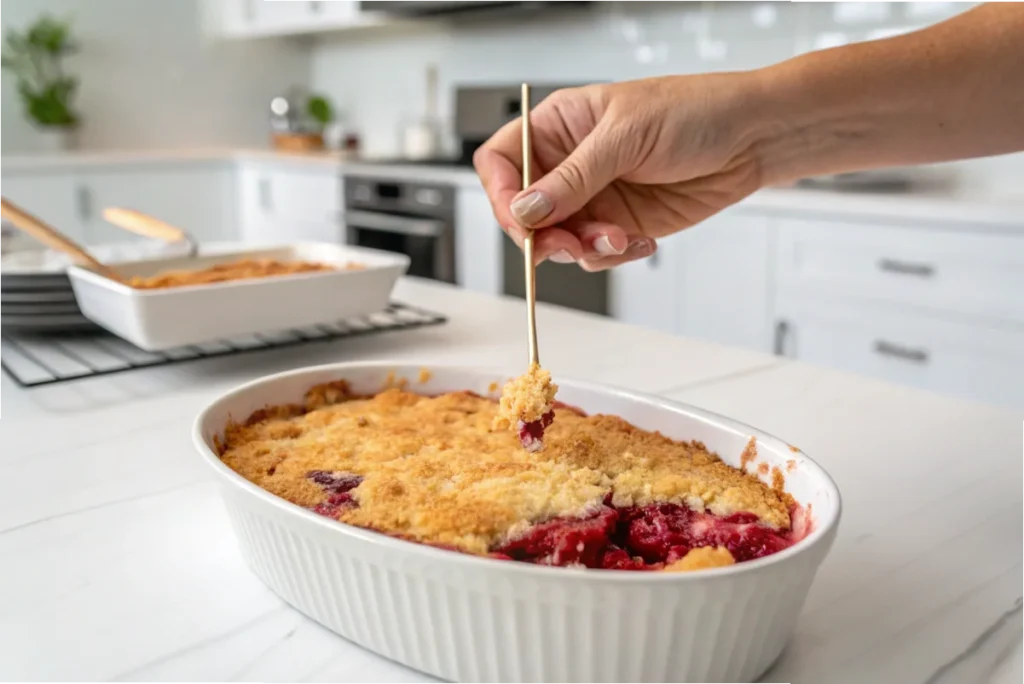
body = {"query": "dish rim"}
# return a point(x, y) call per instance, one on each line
point(74, 271)
point(823, 530)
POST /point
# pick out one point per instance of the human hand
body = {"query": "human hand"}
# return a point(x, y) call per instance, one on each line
point(621, 165)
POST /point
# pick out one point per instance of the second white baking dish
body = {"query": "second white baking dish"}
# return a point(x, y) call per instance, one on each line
point(162, 319)
point(467, 618)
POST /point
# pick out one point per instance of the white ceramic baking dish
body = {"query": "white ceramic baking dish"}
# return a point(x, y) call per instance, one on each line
point(162, 319)
point(467, 618)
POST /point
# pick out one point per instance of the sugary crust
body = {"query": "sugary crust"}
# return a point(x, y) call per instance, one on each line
point(435, 469)
point(235, 270)
point(526, 398)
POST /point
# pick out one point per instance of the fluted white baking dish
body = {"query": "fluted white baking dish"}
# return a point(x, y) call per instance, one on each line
point(467, 618)
point(165, 318)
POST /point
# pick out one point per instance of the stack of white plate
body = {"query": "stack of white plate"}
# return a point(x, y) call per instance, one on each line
point(35, 292)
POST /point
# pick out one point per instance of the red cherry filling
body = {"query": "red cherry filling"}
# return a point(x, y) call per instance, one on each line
point(531, 434)
point(339, 488)
point(642, 538)
point(631, 538)
point(564, 541)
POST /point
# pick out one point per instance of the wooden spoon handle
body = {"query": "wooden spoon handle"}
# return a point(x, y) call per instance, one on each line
point(143, 224)
point(52, 238)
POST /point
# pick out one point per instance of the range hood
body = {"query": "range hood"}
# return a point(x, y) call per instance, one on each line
point(430, 9)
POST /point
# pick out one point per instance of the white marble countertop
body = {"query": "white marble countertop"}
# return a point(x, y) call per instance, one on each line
point(118, 560)
point(933, 205)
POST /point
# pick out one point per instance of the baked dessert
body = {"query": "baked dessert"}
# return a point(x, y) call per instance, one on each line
point(234, 270)
point(435, 470)
point(527, 406)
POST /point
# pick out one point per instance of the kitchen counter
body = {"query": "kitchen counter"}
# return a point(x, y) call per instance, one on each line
point(119, 562)
point(932, 205)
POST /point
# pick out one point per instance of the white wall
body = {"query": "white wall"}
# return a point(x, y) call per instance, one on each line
point(151, 78)
point(377, 79)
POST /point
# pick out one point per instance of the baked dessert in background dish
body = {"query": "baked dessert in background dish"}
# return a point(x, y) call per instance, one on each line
point(527, 406)
point(437, 470)
point(235, 270)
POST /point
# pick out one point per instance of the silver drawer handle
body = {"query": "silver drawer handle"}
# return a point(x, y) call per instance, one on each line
point(898, 351)
point(906, 268)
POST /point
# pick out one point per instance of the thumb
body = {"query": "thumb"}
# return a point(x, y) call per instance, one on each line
point(591, 167)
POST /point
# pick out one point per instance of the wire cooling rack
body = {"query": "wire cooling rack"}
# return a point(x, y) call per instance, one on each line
point(33, 360)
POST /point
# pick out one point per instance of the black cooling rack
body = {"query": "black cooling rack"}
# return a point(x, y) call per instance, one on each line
point(34, 360)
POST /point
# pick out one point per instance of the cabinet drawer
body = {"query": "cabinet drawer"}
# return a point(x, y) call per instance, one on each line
point(975, 274)
point(951, 357)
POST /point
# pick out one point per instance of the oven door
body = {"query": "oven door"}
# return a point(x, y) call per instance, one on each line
point(428, 242)
point(430, 6)
point(423, 9)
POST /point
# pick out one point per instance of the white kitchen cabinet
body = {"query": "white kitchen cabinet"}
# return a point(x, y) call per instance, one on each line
point(723, 290)
point(54, 197)
point(951, 268)
point(936, 306)
point(909, 347)
point(478, 243)
point(197, 198)
point(645, 292)
point(710, 281)
point(254, 18)
point(282, 203)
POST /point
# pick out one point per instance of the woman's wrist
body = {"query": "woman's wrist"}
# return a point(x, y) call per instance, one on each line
point(803, 123)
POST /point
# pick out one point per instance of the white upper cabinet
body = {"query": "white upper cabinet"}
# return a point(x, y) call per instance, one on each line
point(252, 18)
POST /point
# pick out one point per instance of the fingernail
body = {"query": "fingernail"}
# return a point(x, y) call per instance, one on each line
point(531, 208)
point(603, 245)
point(642, 247)
point(561, 257)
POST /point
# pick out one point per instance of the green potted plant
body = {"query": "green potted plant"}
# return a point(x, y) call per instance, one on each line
point(35, 57)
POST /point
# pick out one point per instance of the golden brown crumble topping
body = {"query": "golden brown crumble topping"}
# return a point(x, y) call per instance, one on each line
point(435, 470)
point(749, 454)
point(526, 399)
point(702, 558)
point(235, 270)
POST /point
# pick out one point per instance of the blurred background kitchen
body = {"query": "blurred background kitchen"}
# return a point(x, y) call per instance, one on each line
point(268, 121)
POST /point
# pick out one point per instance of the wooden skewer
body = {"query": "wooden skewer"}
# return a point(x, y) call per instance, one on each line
point(54, 239)
point(531, 269)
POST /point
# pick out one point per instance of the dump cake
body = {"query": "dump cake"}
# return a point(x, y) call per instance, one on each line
point(527, 406)
point(234, 270)
point(437, 470)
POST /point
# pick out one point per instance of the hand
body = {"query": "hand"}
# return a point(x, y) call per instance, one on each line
point(624, 164)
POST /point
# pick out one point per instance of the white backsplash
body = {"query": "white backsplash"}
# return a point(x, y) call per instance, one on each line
point(379, 80)
point(375, 77)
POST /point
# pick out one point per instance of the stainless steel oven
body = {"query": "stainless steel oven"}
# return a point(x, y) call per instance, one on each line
point(418, 218)
point(409, 217)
